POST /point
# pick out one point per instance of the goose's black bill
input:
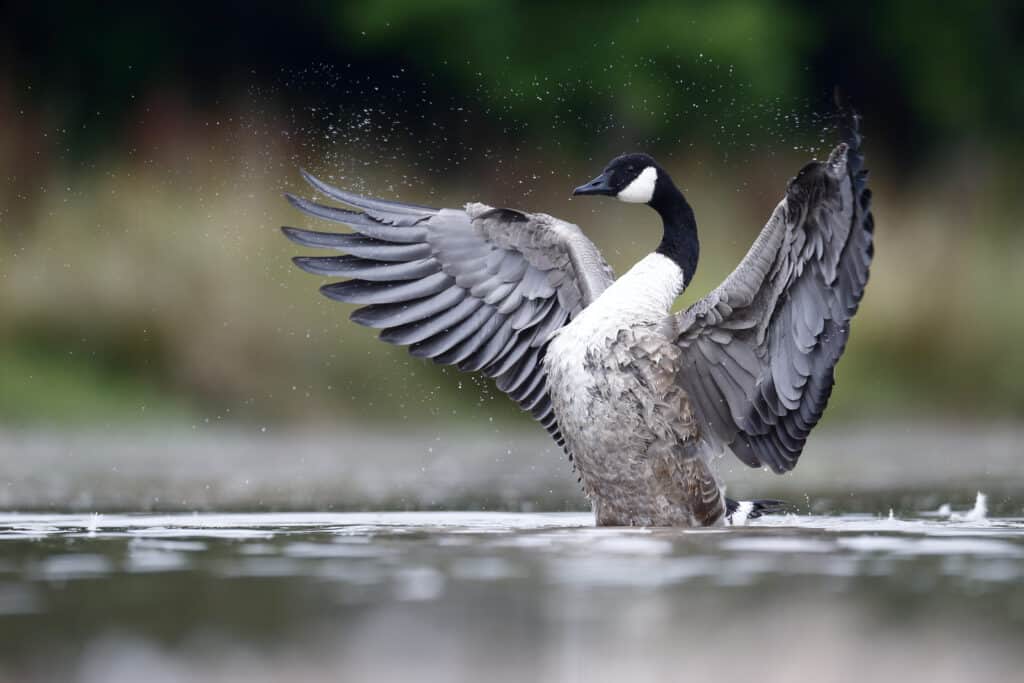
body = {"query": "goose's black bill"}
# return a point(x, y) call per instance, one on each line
point(599, 185)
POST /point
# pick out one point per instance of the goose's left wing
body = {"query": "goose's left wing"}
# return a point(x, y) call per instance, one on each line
point(479, 288)
point(758, 353)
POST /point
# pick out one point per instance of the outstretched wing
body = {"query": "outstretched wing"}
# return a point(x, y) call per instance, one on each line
point(479, 288)
point(760, 350)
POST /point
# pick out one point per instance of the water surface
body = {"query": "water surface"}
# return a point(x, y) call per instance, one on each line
point(934, 596)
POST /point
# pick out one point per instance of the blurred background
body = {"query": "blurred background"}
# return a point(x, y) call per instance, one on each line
point(150, 317)
point(160, 353)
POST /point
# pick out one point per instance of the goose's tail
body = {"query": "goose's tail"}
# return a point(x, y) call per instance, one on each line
point(752, 509)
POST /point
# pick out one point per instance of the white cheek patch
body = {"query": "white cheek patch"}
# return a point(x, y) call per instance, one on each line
point(641, 189)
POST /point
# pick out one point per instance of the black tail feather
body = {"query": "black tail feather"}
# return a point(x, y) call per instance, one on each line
point(761, 506)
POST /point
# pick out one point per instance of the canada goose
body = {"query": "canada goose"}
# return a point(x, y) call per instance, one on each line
point(642, 400)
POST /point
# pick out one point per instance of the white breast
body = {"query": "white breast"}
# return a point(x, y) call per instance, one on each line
point(643, 295)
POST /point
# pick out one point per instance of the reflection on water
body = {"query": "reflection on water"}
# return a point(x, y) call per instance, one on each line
point(497, 596)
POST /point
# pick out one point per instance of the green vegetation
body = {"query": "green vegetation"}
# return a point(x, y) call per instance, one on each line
point(55, 386)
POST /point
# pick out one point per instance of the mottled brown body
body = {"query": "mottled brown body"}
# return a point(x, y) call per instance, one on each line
point(626, 421)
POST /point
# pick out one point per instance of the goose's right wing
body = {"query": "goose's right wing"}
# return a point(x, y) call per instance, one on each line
point(759, 352)
point(479, 288)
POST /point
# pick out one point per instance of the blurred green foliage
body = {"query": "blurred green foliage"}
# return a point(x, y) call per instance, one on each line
point(945, 66)
point(145, 151)
point(934, 71)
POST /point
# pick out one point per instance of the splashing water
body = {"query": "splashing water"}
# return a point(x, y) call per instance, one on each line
point(979, 513)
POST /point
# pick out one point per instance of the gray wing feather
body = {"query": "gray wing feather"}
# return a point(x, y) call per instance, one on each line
point(358, 245)
point(480, 288)
point(759, 352)
point(364, 269)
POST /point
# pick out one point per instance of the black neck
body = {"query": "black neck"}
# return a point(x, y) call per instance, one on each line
point(679, 242)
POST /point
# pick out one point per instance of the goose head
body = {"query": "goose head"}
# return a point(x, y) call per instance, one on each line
point(638, 179)
point(632, 178)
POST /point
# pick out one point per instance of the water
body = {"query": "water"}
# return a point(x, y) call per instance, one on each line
point(501, 596)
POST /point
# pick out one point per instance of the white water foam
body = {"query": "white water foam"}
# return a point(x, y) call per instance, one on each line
point(979, 513)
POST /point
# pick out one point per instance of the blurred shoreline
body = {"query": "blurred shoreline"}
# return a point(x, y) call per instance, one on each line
point(852, 468)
